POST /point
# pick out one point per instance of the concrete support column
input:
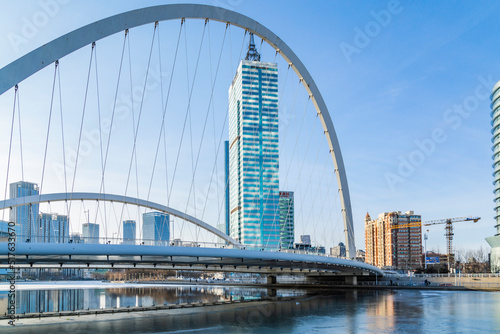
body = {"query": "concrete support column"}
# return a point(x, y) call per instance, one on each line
point(351, 280)
point(271, 292)
point(271, 279)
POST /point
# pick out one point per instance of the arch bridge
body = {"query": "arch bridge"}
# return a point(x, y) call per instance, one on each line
point(236, 258)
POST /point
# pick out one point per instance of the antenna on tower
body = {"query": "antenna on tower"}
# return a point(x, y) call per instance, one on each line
point(252, 53)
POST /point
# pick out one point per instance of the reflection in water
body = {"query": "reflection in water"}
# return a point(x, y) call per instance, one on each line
point(55, 300)
point(35, 301)
point(345, 311)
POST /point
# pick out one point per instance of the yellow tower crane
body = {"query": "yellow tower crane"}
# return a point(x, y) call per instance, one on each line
point(448, 229)
point(449, 233)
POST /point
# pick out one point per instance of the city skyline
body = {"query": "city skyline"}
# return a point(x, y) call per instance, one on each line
point(453, 176)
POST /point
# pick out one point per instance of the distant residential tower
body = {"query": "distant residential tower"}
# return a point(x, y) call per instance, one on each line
point(387, 245)
point(90, 233)
point(53, 228)
point(156, 228)
point(129, 232)
point(287, 219)
point(25, 216)
point(494, 241)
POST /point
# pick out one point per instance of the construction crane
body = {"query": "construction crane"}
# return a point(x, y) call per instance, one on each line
point(448, 230)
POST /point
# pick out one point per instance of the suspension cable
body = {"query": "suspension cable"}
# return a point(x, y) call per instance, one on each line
point(298, 184)
point(100, 148)
point(62, 141)
point(48, 127)
point(317, 190)
point(187, 114)
point(139, 116)
point(216, 151)
point(133, 121)
point(102, 186)
point(207, 113)
point(114, 109)
point(81, 125)
point(132, 105)
point(332, 180)
point(297, 139)
point(206, 119)
point(10, 147)
point(20, 136)
point(162, 129)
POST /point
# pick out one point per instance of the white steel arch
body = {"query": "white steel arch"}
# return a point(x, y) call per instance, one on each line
point(34, 61)
point(60, 197)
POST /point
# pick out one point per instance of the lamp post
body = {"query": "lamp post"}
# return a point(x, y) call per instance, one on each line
point(425, 250)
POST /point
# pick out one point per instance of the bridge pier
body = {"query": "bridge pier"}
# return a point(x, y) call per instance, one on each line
point(271, 279)
point(351, 280)
point(271, 292)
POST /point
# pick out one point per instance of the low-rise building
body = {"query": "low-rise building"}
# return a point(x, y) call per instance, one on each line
point(338, 251)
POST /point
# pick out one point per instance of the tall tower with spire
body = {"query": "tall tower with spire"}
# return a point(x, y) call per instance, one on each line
point(253, 153)
point(252, 53)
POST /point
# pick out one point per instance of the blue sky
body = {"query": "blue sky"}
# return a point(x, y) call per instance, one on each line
point(412, 91)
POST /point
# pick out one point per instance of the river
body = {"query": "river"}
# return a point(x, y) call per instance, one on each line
point(337, 311)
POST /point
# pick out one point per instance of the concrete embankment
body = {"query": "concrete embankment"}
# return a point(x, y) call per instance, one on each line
point(466, 282)
point(121, 310)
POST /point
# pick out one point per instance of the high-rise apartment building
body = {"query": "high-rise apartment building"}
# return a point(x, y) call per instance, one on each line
point(494, 241)
point(156, 228)
point(287, 219)
point(129, 232)
point(393, 240)
point(254, 153)
point(226, 185)
point(90, 233)
point(25, 216)
point(53, 228)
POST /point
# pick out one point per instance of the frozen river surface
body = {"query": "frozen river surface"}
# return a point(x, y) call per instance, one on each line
point(340, 311)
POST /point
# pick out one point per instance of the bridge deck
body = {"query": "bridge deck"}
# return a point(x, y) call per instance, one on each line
point(54, 255)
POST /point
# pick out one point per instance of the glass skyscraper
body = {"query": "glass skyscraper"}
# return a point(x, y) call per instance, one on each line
point(287, 220)
point(26, 216)
point(226, 185)
point(494, 241)
point(53, 228)
point(156, 228)
point(90, 233)
point(253, 153)
point(129, 232)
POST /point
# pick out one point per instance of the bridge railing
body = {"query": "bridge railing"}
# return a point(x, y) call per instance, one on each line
point(79, 239)
point(419, 283)
point(114, 241)
point(478, 275)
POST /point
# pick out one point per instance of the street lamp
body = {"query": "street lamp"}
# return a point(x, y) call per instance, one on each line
point(425, 250)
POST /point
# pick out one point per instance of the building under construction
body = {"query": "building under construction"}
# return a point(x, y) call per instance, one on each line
point(394, 240)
